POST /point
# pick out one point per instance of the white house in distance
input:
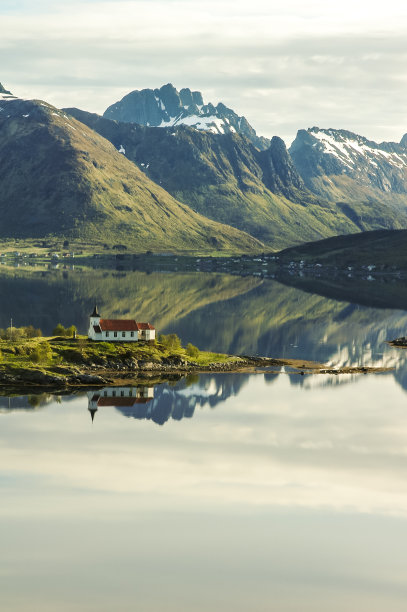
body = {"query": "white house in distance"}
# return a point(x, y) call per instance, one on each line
point(118, 330)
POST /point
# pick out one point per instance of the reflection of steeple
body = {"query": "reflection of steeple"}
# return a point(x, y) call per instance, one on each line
point(95, 312)
point(92, 412)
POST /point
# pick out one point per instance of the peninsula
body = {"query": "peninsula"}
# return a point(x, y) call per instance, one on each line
point(66, 362)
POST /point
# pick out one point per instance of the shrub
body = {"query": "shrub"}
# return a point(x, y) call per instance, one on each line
point(19, 333)
point(192, 351)
point(170, 341)
point(60, 330)
point(32, 332)
point(42, 353)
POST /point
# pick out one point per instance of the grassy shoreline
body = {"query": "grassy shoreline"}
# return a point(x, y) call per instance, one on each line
point(60, 362)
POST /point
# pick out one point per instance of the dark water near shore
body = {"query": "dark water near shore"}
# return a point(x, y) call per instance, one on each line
point(219, 492)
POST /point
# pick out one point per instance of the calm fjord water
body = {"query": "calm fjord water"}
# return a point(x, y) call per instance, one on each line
point(224, 492)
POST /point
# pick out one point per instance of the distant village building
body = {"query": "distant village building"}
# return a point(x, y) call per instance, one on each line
point(118, 330)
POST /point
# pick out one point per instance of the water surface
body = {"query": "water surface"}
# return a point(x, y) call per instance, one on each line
point(219, 492)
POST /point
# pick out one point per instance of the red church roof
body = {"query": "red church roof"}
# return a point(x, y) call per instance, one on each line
point(122, 325)
point(123, 401)
point(145, 326)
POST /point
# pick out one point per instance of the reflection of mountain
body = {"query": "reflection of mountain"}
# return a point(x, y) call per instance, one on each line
point(281, 321)
point(240, 315)
point(69, 296)
point(166, 402)
point(383, 292)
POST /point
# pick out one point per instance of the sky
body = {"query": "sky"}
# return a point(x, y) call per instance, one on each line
point(283, 64)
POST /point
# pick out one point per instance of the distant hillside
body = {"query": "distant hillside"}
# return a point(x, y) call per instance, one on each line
point(167, 107)
point(224, 177)
point(380, 248)
point(60, 178)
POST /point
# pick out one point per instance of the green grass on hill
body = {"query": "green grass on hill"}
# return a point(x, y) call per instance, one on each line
point(47, 352)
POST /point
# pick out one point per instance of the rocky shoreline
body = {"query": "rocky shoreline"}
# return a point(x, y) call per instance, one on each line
point(132, 372)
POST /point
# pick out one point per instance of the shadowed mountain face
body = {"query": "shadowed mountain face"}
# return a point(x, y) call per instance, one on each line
point(225, 178)
point(167, 107)
point(61, 178)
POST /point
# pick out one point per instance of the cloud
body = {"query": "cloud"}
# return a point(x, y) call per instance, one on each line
point(332, 448)
point(285, 66)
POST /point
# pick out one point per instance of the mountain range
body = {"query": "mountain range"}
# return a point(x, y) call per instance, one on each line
point(162, 170)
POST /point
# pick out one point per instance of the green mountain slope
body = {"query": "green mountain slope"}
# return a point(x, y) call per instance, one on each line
point(225, 178)
point(59, 177)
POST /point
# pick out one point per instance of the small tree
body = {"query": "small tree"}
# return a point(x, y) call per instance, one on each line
point(170, 341)
point(14, 333)
point(32, 332)
point(192, 351)
point(42, 353)
point(59, 330)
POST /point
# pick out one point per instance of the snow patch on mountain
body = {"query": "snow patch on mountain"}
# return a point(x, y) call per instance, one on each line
point(4, 96)
point(209, 123)
point(350, 148)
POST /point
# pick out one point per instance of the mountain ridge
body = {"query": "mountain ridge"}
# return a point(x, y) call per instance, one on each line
point(343, 166)
point(168, 107)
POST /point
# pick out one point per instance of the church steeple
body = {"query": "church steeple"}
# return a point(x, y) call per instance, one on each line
point(92, 412)
point(95, 312)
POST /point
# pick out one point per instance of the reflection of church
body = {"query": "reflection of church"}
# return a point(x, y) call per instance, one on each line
point(119, 397)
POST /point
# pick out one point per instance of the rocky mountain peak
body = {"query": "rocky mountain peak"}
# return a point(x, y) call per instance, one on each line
point(168, 107)
point(318, 152)
point(5, 94)
point(280, 174)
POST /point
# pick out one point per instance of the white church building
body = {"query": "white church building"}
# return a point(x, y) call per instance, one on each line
point(118, 330)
